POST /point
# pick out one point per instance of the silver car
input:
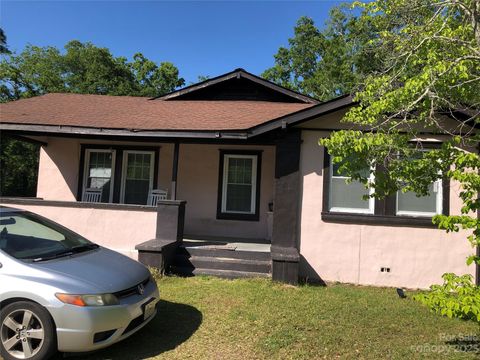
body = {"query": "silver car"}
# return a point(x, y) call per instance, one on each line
point(61, 292)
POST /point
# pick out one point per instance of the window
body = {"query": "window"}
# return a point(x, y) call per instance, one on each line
point(126, 174)
point(239, 186)
point(344, 202)
point(348, 197)
point(137, 176)
point(410, 204)
point(98, 172)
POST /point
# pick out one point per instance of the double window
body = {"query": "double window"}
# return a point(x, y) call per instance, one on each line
point(346, 196)
point(239, 184)
point(123, 175)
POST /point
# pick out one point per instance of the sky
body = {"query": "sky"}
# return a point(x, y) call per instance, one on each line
point(206, 38)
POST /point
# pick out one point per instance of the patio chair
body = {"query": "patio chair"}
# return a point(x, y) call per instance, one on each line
point(155, 196)
point(92, 195)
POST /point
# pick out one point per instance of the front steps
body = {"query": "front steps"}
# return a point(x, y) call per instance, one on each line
point(222, 259)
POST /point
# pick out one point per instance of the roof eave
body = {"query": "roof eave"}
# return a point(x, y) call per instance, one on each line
point(123, 133)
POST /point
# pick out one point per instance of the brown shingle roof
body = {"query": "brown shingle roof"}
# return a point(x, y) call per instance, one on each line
point(127, 112)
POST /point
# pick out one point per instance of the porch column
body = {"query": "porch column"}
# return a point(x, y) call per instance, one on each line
point(176, 150)
point(285, 245)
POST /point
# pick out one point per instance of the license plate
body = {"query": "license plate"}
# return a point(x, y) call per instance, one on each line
point(149, 308)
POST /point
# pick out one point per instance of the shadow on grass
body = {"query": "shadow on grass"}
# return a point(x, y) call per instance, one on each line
point(174, 324)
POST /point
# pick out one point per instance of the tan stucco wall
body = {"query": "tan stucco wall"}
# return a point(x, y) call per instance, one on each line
point(197, 181)
point(354, 253)
point(119, 230)
point(198, 184)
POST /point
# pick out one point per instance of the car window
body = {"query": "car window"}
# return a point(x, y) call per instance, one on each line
point(24, 235)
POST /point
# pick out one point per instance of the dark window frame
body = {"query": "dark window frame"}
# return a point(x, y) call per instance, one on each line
point(384, 209)
point(119, 149)
point(236, 216)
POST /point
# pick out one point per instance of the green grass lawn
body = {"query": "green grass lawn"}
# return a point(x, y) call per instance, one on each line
point(210, 318)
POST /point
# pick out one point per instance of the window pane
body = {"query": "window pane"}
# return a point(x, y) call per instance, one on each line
point(409, 202)
point(348, 195)
point(137, 181)
point(239, 184)
point(239, 198)
point(100, 172)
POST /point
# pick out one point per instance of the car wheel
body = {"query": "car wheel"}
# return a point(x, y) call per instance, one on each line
point(26, 332)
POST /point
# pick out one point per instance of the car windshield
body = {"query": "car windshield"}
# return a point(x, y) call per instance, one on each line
point(27, 236)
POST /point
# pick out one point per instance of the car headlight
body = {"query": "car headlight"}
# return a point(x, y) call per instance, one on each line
point(88, 300)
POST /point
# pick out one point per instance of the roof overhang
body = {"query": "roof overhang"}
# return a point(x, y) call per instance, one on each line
point(279, 123)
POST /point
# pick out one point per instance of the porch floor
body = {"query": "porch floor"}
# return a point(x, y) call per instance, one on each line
point(223, 243)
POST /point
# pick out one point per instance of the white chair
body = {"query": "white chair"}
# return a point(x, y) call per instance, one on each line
point(155, 196)
point(92, 195)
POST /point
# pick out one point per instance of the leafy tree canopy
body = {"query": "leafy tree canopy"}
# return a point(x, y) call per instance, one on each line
point(83, 68)
point(329, 62)
point(3, 43)
point(428, 79)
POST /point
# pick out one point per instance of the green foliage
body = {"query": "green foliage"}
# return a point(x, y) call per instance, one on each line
point(83, 68)
point(457, 297)
point(3, 43)
point(429, 80)
point(18, 167)
point(329, 62)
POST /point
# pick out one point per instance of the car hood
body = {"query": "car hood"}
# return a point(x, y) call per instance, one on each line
point(101, 271)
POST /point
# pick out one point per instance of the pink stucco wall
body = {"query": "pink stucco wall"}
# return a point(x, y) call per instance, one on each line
point(58, 170)
point(198, 185)
point(354, 253)
point(119, 230)
point(197, 182)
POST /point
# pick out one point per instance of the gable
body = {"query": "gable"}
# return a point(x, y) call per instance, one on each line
point(238, 85)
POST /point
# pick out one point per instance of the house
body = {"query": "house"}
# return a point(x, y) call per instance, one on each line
point(248, 189)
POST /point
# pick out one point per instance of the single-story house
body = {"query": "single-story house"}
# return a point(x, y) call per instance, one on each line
point(236, 164)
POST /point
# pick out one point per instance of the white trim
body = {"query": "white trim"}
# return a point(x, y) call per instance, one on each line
point(124, 171)
point(371, 200)
point(87, 165)
point(438, 203)
point(226, 159)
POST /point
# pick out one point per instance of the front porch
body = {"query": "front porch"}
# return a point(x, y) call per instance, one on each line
point(227, 188)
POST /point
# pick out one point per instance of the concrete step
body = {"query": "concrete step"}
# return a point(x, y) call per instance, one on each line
point(233, 254)
point(223, 263)
point(228, 274)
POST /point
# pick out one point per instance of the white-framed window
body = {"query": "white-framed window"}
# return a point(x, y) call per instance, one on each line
point(137, 176)
point(239, 184)
point(99, 172)
point(348, 196)
point(410, 204)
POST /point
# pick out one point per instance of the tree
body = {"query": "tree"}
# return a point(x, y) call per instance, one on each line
point(330, 62)
point(18, 160)
point(3, 43)
point(430, 73)
point(84, 69)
